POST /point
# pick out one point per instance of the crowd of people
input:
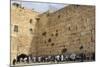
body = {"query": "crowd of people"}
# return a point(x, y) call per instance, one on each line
point(23, 58)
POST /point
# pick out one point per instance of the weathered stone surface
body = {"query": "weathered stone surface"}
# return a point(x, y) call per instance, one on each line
point(25, 21)
point(71, 28)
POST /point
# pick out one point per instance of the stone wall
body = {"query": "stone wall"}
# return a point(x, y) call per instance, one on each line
point(22, 28)
point(68, 30)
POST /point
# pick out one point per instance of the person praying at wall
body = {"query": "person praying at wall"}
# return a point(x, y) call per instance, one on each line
point(14, 61)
